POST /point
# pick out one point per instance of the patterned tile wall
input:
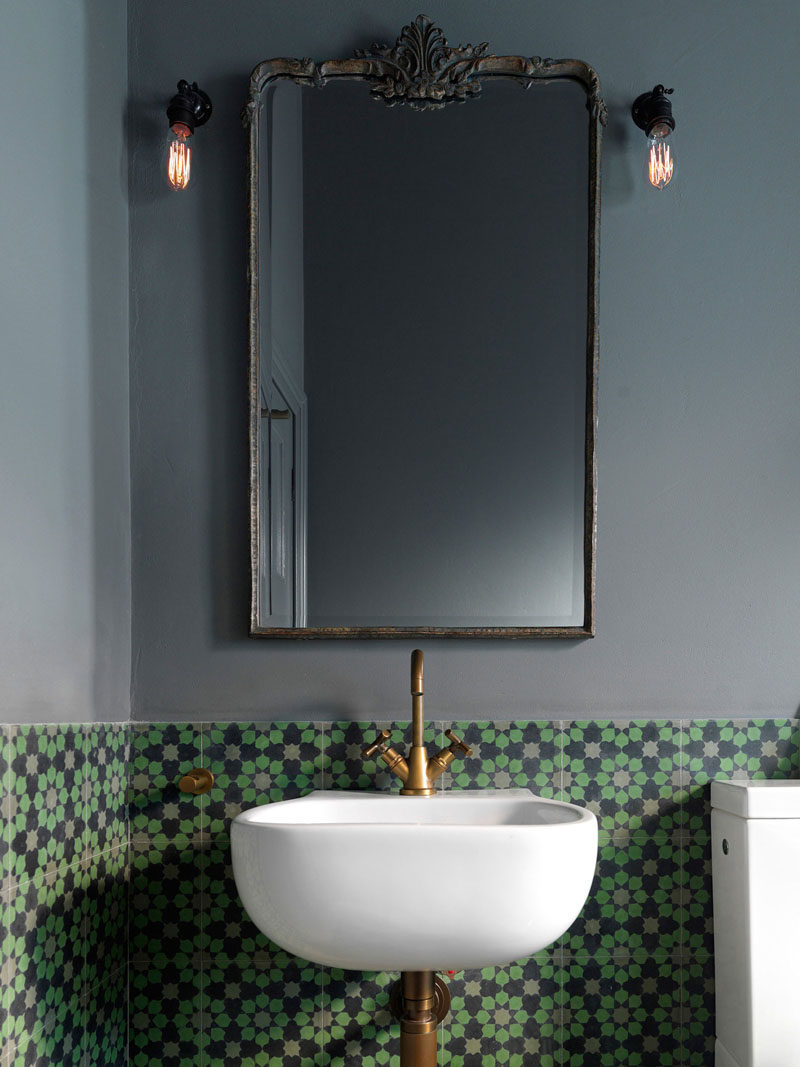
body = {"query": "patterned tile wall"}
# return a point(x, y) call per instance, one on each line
point(631, 982)
point(64, 897)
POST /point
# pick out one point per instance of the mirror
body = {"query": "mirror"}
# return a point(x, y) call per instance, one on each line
point(423, 343)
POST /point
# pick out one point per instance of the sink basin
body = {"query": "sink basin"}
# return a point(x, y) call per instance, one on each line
point(381, 882)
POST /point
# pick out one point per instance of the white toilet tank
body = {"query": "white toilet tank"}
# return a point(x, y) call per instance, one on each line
point(755, 841)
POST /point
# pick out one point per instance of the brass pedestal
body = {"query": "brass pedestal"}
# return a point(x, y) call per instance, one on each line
point(419, 1000)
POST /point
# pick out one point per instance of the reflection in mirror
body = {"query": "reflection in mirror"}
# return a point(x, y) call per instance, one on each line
point(423, 456)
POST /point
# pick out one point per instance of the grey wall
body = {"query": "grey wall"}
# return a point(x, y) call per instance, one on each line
point(698, 598)
point(64, 403)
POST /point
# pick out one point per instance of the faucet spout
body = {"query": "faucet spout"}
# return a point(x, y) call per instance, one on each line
point(417, 699)
point(418, 771)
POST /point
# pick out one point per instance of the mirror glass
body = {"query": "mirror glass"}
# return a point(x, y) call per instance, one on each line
point(422, 377)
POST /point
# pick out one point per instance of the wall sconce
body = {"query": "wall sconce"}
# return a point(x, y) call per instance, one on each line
point(652, 112)
point(189, 107)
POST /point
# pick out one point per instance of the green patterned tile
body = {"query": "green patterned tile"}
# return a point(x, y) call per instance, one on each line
point(105, 784)
point(629, 774)
point(161, 753)
point(752, 748)
point(45, 799)
point(696, 896)
point(105, 1022)
point(621, 1012)
point(104, 903)
point(228, 932)
point(7, 747)
point(697, 1012)
point(359, 1029)
point(165, 1012)
point(254, 763)
point(504, 1015)
point(345, 768)
point(635, 899)
point(42, 1050)
point(44, 964)
point(166, 897)
point(509, 755)
point(262, 1014)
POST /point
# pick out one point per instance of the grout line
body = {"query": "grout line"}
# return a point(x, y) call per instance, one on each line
point(320, 775)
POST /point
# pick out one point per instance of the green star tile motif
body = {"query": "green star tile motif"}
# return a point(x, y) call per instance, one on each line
point(621, 1012)
point(103, 881)
point(228, 933)
point(44, 958)
point(165, 1012)
point(753, 748)
point(105, 1018)
point(696, 892)
point(166, 897)
point(161, 753)
point(359, 1029)
point(635, 900)
point(45, 799)
point(629, 775)
point(509, 755)
point(697, 1012)
point(7, 747)
point(106, 752)
point(262, 1014)
point(345, 768)
point(504, 1015)
point(254, 763)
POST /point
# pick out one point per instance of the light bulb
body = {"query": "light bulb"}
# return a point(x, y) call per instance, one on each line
point(179, 159)
point(660, 156)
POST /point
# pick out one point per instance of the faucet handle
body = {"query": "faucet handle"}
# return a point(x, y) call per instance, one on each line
point(456, 744)
point(378, 746)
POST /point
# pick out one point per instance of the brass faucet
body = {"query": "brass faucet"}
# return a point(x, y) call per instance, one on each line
point(418, 772)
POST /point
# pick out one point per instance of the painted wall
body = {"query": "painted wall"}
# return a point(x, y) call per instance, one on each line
point(698, 590)
point(64, 402)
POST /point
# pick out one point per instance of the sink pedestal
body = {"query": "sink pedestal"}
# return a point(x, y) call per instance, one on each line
point(420, 1000)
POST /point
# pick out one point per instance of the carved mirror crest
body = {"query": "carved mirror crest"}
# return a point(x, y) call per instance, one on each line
point(423, 342)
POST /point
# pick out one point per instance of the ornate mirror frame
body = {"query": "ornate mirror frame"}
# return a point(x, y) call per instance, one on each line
point(423, 71)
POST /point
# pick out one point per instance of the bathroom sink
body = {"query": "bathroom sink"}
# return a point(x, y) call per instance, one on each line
point(382, 882)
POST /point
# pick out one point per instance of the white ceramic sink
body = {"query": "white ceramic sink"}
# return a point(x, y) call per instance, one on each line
point(382, 882)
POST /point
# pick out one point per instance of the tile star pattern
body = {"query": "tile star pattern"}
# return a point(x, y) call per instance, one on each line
point(122, 934)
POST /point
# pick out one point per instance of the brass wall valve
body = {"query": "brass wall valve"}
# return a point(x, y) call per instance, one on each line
point(197, 781)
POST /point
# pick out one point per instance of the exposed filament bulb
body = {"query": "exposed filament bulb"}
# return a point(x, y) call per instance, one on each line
point(179, 162)
point(661, 164)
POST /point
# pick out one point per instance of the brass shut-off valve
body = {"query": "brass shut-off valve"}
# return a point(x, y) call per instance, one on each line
point(197, 781)
point(418, 771)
